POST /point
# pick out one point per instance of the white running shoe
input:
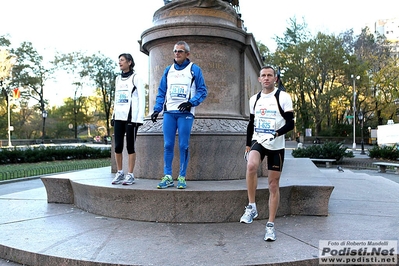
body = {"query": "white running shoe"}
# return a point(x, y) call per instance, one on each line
point(129, 180)
point(270, 232)
point(249, 215)
point(119, 176)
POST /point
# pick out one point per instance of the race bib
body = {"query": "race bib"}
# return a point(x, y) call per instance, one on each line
point(178, 91)
point(121, 97)
point(265, 125)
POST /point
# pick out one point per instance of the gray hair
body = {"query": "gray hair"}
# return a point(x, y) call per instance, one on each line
point(186, 47)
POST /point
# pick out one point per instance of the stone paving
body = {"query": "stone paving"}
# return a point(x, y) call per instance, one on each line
point(362, 206)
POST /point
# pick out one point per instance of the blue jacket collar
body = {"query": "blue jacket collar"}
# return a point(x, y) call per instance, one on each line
point(182, 65)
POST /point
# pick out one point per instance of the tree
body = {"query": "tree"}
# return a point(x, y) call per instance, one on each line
point(290, 55)
point(381, 74)
point(264, 52)
point(320, 81)
point(72, 64)
point(7, 62)
point(101, 71)
point(98, 71)
point(324, 83)
point(316, 78)
point(27, 122)
point(30, 76)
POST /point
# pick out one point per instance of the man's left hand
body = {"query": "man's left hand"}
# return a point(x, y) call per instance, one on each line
point(185, 106)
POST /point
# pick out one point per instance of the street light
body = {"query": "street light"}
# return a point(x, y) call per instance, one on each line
point(360, 116)
point(10, 128)
point(44, 114)
point(354, 109)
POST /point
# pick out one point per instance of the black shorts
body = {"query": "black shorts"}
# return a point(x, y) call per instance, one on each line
point(275, 158)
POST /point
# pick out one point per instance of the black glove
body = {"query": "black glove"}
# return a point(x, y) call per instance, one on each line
point(112, 122)
point(154, 116)
point(185, 106)
point(274, 136)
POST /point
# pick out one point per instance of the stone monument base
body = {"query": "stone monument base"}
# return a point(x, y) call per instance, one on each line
point(304, 190)
point(214, 155)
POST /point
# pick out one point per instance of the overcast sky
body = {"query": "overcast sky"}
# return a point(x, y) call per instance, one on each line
point(114, 27)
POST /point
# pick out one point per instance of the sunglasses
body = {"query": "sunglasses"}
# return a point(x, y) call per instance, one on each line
point(179, 51)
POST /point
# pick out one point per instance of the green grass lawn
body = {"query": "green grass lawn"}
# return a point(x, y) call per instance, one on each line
point(12, 171)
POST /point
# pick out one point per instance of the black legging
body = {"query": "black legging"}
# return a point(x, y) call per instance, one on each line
point(120, 128)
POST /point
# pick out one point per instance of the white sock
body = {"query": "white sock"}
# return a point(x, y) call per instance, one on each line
point(253, 205)
point(270, 223)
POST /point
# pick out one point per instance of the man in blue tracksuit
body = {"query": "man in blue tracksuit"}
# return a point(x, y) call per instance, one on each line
point(182, 87)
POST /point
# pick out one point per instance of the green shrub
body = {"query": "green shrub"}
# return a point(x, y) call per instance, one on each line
point(51, 153)
point(328, 150)
point(385, 152)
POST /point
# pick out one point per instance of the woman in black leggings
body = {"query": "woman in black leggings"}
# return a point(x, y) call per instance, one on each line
point(129, 107)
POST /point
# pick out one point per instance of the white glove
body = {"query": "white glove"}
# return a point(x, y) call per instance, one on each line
point(267, 139)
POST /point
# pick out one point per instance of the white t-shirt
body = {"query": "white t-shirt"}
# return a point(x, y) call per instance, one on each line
point(268, 118)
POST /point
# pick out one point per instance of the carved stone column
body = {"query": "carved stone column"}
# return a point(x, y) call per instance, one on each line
point(230, 61)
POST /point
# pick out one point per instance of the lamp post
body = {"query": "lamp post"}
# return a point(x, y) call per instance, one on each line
point(354, 109)
point(75, 111)
point(44, 114)
point(360, 116)
point(9, 127)
point(9, 121)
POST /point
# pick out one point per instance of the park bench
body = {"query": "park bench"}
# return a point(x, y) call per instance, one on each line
point(327, 161)
point(382, 166)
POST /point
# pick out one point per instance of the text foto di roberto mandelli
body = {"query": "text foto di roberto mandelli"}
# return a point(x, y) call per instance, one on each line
point(362, 251)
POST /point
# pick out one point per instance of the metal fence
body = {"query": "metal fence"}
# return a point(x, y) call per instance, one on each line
point(10, 172)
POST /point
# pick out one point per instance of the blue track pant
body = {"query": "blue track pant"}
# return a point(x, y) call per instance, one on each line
point(182, 123)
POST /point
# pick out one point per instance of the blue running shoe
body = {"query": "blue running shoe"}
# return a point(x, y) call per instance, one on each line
point(167, 181)
point(181, 182)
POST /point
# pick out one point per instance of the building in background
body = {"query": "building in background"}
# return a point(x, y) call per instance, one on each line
point(390, 29)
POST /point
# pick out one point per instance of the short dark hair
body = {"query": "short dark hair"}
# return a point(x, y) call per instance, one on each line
point(128, 57)
point(268, 67)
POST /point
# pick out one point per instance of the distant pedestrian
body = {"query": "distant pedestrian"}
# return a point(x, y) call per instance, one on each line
point(298, 137)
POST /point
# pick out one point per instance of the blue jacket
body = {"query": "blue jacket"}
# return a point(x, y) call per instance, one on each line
point(198, 98)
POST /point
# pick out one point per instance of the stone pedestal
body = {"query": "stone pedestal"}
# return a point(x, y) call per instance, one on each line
point(304, 190)
point(149, 156)
point(230, 61)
